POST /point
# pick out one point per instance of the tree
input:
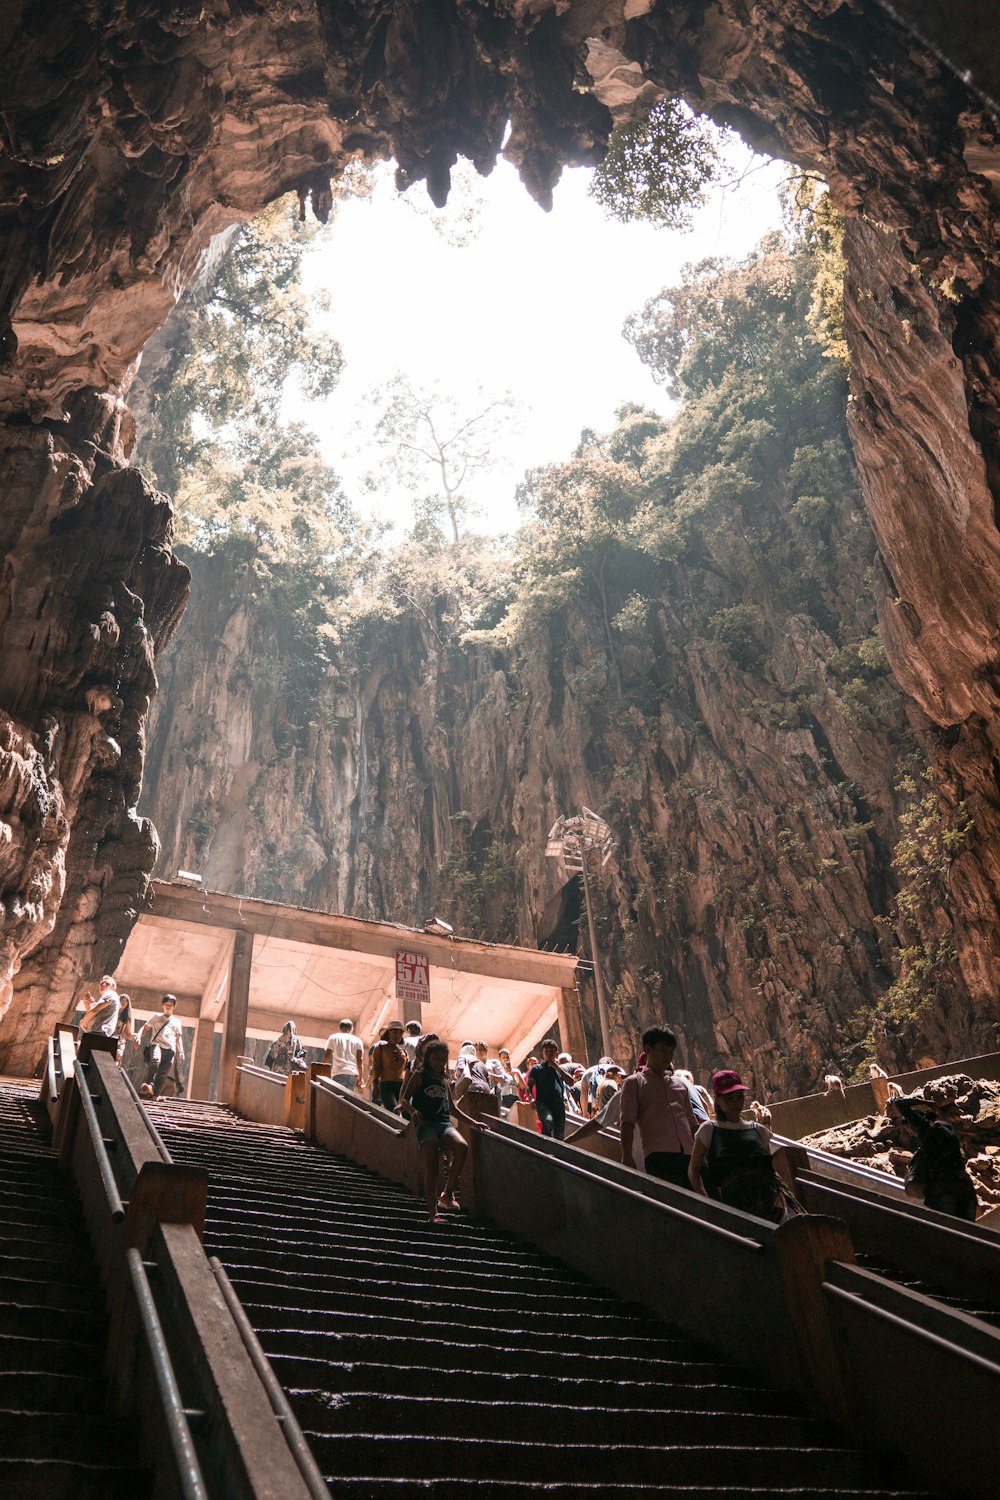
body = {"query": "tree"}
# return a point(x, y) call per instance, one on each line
point(721, 317)
point(431, 437)
point(238, 336)
point(658, 168)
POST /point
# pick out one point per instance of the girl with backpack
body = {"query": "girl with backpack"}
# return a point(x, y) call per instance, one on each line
point(731, 1160)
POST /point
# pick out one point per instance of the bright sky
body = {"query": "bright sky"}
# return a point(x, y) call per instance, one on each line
point(533, 304)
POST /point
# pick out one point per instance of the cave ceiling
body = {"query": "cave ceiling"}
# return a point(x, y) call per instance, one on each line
point(134, 132)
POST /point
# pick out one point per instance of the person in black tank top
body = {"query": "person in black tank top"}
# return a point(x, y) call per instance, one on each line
point(731, 1160)
point(428, 1103)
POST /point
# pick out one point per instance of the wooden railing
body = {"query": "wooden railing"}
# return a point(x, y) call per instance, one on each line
point(271, 1098)
point(186, 1371)
point(787, 1300)
point(814, 1112)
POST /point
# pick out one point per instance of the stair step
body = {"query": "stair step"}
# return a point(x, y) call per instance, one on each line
point(61, 1479)
point(416, 1352)
point(40, 1434)
point(548, 1335)
point(47, 1390)
point(43, 1291)
point(79, 1325)
point(375, 1486)
point(499, 1299)
point(50, 1355)
point(423, 1457)
point(538, 1421)
point(452, 1361)
point(59, 1265)
point(326, 1379)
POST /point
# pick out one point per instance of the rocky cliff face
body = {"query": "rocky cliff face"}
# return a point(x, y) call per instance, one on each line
point(750, 900)
point(133, 134)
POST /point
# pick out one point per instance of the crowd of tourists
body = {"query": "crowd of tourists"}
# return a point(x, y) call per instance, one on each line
point(160, 1041)
point(670, 1126)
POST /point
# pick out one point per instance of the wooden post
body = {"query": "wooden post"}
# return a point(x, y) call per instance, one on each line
point(571, 1030)
point(200, 1071)
point(234, 1037)
point(804, 1245)
point(316, 1070)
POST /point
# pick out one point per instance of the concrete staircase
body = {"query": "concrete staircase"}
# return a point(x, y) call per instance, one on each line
point(453, 1362)
point(57, 1439)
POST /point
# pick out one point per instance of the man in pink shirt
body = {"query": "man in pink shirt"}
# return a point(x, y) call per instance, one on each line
point(660, 1105)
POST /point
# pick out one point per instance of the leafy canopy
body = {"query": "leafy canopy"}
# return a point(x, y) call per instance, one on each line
point(657, 169)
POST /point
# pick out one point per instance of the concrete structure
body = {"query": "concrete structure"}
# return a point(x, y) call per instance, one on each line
point(245, 967)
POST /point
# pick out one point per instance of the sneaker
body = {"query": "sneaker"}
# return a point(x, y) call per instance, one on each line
point(437, 1219)
point(450, 1202)
point(146, 1090)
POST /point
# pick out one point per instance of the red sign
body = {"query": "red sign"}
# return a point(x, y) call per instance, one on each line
point(413, 977)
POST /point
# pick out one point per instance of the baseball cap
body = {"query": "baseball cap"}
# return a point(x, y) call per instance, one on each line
point(728, 1082)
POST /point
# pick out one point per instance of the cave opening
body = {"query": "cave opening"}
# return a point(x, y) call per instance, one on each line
point(685, 712)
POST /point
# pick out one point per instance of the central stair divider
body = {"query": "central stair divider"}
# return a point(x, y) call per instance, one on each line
point(181, 1366)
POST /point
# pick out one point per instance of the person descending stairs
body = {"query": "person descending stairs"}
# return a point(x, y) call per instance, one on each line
point(451, 1361)
point(58, 1441)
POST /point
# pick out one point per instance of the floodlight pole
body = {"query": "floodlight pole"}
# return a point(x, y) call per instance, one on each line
point(602, 1010)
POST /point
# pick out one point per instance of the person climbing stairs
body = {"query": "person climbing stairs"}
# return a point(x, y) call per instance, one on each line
point(451, 1361)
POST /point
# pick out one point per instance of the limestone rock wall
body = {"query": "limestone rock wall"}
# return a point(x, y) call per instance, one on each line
point(90, 592)
point(749, 902)
point(132, 134)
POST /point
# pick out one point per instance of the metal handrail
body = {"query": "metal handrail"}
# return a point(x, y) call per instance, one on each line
point(890, 1185)
point(301, 1452)
point(188, 1469)
point(157, 1139)
point(258, 1072)
point(51, 1065)
point(115, 1203)
point(917, 1330)
point(364, 1106)
point(745, 1243)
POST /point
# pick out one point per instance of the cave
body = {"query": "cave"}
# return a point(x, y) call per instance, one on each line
point(134, 136)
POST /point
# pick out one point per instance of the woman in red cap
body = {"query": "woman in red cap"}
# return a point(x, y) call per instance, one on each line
point(731, 1159)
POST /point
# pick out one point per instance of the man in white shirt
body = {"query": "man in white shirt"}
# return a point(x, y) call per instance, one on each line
point(161, 1040)
point(345, 1053)
point(410, 1039)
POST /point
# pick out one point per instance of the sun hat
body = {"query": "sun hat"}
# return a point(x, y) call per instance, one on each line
point(728, 1082)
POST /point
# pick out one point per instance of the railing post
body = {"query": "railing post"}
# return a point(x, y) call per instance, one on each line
point(316, 1070)
point(296, 1086)
point(803, 1246)
point(478, 1107)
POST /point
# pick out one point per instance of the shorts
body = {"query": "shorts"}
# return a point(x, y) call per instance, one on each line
point(436, 1130)
point(669, 1166)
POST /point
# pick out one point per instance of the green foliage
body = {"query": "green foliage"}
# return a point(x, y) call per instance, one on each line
point(743, 631)
point(930, 838)
point(658, 168)
point(478, 892)
point(240, 339)
point(816, 225)
point(722, 317)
